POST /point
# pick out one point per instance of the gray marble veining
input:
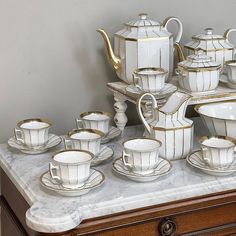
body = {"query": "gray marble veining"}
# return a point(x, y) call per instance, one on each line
point(53, 213)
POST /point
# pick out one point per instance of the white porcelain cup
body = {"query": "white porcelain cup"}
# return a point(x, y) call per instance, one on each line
point(150, 80)
point(85, 139)
point(218, 151)
point(140, 155)
point(231, 71)
point(33, 132)
point(98, 120)
point(71, 167)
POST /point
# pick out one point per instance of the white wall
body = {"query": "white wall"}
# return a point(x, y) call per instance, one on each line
point(52, 62)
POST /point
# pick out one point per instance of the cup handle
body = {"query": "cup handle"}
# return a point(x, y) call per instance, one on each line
point(79, 123)
point(204, 150)
point(135, 80)
point(180, 74)
point(51, 168)
point(19, 135)
point(124, 156)
point(68, 144)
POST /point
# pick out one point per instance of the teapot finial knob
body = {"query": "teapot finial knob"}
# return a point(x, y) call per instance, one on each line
point(209, 31)
point(143, 16)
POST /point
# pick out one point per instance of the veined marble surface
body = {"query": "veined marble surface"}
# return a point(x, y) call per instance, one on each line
point(53, 213)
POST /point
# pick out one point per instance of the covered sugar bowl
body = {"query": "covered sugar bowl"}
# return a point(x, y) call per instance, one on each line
point(199, 73)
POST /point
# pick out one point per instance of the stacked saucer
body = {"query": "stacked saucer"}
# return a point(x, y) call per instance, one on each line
point(140, 161)
point(32, 136)
point(216, 157)
point(70, 173)
point(151, 80)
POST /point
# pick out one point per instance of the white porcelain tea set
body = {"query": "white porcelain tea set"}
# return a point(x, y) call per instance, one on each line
point(144, 53)
point(70, 171)
point(143, 57)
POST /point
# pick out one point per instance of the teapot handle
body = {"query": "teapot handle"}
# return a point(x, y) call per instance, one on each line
point(139, 109)
point(226, 35)
point(180, 26)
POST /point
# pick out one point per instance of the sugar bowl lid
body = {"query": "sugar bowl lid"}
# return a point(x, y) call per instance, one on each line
point(199, 61)
point(143, 21)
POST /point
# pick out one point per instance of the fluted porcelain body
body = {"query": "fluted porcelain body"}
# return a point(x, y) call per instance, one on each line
point(170, 126)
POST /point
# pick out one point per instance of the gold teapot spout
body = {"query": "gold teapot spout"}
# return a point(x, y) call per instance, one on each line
point(180, 52)
point(113, 59)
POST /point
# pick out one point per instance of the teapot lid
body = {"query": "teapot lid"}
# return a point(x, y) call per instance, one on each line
point(142, 22)
point(198, 61)
point(208, 35)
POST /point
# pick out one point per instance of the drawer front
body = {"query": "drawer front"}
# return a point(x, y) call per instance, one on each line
point(201, 222)
point(9, 224)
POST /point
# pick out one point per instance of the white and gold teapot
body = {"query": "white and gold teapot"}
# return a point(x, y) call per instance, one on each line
point(169, 125)
point(142, 43)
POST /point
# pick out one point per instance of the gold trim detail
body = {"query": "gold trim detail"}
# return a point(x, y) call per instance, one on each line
point(230, 62)
point(208, 50)
point(142, 39)
point(180, 53)
point(42, 120)
point(197, 107)
point(204, 138)
point(210, 39)
point(74, 150)
point(139, 71)
point(93, 131)
point(173, 128)
point(135, 138)
point(86, 113)
point(113, 59)
point(200, 69)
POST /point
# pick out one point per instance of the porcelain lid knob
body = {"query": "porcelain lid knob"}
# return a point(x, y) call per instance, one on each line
point(143, 16)
point(209, 31)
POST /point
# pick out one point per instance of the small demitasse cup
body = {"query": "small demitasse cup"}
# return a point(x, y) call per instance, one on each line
point(150, 80)
point(71, 167)
point(85, 139)
point(141, 155)
point(94, 120)
point(231, 71)
point(33, 132)
point(218, 151)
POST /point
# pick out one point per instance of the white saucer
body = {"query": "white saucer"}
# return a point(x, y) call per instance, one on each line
point(113, 132)
point(96, 179)
point(164, 166)
point(105, 154)
point(167, 90)
point(53, 141)
point(203, 93)
point(195, 159)
point(224, 80)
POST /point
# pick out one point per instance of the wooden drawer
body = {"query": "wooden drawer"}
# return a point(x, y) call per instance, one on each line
point(189, 223)
point(213, 214)
point(9, 224)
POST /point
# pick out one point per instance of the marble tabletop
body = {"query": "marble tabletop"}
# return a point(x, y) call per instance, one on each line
point(53, 213)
